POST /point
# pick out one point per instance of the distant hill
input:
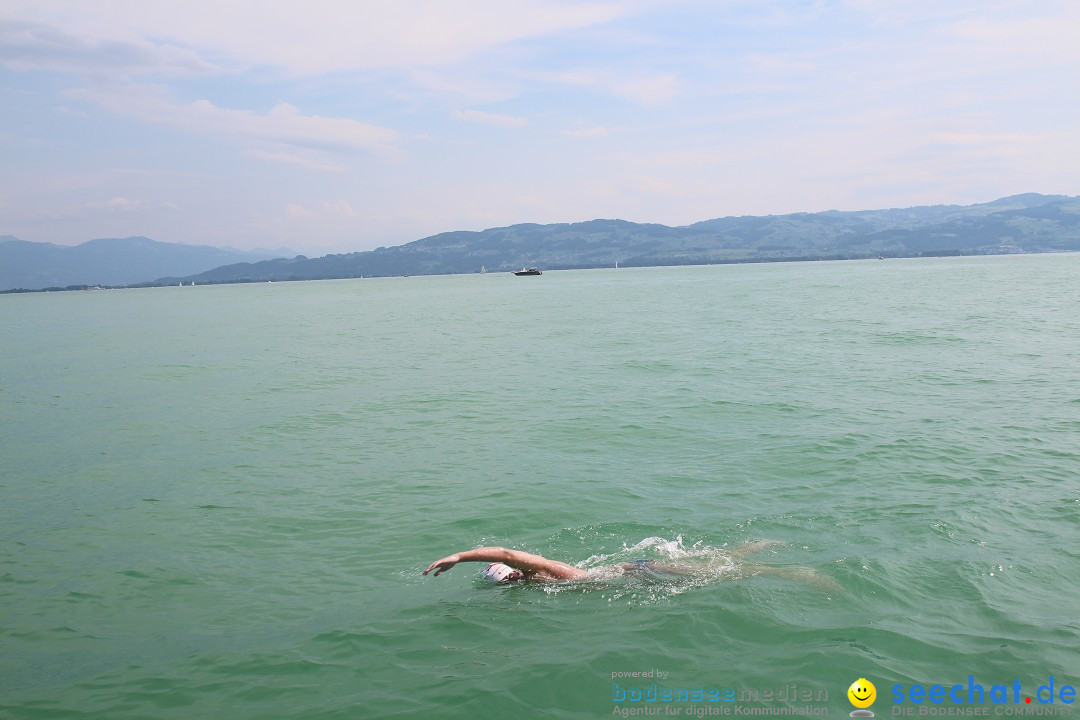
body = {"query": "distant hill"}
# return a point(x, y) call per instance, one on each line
point(108, 261)
point(1021, 223)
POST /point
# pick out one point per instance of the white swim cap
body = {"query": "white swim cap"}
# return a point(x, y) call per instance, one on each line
point(497, 572)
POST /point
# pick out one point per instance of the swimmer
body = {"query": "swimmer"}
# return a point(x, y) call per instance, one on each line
point(510, 565)
point(505, 565)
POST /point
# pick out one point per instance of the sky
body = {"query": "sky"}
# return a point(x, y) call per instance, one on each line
point(334, 126)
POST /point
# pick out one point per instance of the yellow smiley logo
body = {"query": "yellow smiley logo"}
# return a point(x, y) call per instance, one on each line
point(862, 693)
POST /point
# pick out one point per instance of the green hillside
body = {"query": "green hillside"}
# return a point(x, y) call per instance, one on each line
point(1021, 223)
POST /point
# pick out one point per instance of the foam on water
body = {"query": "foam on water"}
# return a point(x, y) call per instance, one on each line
point(654, 569)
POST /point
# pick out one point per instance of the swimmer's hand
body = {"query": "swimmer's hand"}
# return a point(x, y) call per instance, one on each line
point(441, 566)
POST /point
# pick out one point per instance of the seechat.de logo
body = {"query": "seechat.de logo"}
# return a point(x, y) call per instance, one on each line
point(862, 694)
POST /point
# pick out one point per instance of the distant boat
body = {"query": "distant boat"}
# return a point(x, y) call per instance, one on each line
point(483, 269)
point(616, 264)
point(529, 271)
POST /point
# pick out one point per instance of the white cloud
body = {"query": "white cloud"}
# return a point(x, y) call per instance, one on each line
point(338, 207)
point(888, 13)
point(311, 161)
point(33, 46)
point(1043, 41)
point(122, 204)
point(485, 118)
point(1000, 140)
point(294, 211)
point(322, 35)
point(643, 89)
point(117, 203)
point(648, 89)
point(284, 126)
point(593, 132)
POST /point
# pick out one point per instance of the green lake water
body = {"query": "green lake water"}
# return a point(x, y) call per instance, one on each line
point(216, 502)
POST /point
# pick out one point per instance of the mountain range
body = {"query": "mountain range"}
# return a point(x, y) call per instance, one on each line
point(1027, 223)
point(1017, 224)
point(110, 261)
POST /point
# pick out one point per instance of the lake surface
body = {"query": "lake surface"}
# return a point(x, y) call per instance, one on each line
point(217, 501)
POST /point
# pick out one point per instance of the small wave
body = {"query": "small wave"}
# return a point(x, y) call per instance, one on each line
point(658, 546)
point(656, 568)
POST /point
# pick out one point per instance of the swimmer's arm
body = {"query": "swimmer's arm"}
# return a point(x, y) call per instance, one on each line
point(523, 561)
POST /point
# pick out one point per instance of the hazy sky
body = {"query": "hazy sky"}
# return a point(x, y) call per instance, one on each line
point(334, 126)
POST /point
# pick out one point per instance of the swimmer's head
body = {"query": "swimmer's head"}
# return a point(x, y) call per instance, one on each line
point(497, 572)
